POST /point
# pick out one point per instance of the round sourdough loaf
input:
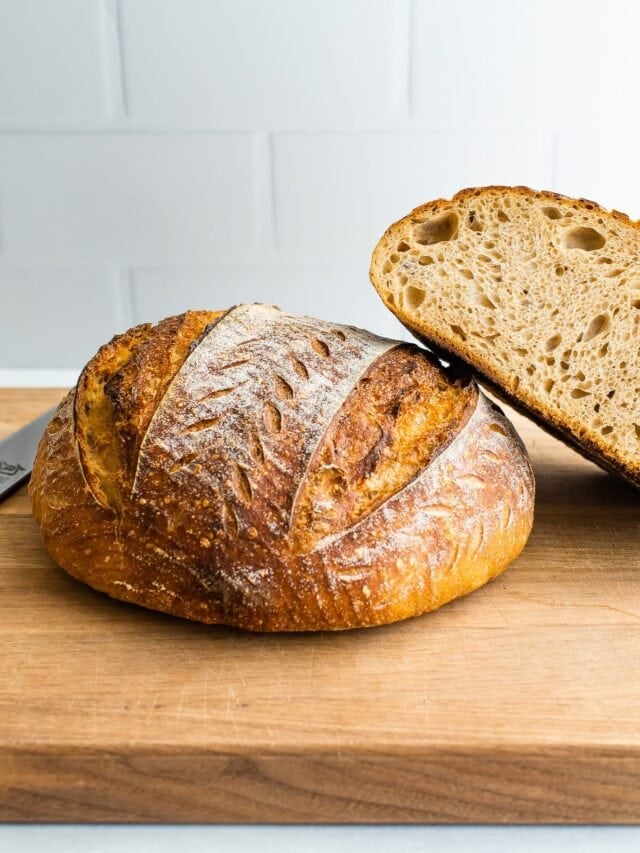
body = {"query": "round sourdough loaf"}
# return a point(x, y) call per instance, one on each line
point(279, 473)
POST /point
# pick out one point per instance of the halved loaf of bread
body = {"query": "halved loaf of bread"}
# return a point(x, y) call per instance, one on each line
point(540, 294)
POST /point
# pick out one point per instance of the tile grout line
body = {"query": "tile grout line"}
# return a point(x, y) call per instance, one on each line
point(256, 262)
point(116, 74)
point(127, 308)
point(554, 160)
point(121, 55)
point(264, 209)
point(404, 45)
point(120, 125)
point(272, 193)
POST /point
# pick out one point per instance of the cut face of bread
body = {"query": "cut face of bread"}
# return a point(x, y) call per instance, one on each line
point(541, 295)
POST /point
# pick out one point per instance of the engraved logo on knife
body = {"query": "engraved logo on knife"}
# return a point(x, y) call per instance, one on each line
point(7, 469)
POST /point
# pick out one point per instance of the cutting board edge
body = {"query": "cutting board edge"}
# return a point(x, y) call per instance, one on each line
point(170, 785)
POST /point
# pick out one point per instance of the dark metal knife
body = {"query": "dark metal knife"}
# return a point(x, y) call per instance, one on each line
point(18, 451)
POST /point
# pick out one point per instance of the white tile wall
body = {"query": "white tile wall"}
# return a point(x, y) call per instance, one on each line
point(62, 314)
point(130, 198)
point(562, 65)
point(52, 60)
point(482, 65)
point(335, 194)
point(161, 154)
point(595, 69)
point(262, 63)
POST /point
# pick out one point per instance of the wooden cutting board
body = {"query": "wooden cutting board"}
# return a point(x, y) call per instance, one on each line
point(519, 703)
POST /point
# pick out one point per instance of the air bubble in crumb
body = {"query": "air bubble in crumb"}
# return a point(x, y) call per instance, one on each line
point(437, 230)
point(552, 213)
point(414, 296)
point(597, 326)
point(587, 239)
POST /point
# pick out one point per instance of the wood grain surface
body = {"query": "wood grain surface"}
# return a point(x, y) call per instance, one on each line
point(519, 703)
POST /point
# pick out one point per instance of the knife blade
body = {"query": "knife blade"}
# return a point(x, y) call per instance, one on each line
point(18, 452)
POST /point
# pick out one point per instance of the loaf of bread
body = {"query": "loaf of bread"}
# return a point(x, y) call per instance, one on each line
point(538, 293)
point(279, 473)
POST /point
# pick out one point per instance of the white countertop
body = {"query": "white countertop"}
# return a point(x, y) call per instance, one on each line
point(316, 839)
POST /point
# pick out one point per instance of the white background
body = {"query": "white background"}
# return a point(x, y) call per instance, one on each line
point(157, 155)
point(315, 839)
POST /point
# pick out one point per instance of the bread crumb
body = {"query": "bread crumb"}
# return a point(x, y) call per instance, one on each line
point(366, 591)
point(205, 542)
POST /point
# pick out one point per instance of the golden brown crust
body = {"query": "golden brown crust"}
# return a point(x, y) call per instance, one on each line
point(118, 393)
point(136, 390)
point(562, 426)
point(399, 416)
point(205, 528)
point(78, 531)
point(101, 455)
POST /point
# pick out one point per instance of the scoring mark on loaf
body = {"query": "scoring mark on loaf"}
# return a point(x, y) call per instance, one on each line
point(455, 556)
point(241, 484)
point(206, 423)
point(438, 510)
point(477, 537)
point(256, 449)
point(319, 346)
point(284, 391)
point(491, 455)
point(472, 480)
point(505, 518)
point(213, 395)
point(299, 366)
point(272, 418)
point(218, 368)
point(496, 427)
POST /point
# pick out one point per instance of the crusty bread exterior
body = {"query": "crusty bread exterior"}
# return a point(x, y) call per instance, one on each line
point(279, 473)
point(540, 295)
